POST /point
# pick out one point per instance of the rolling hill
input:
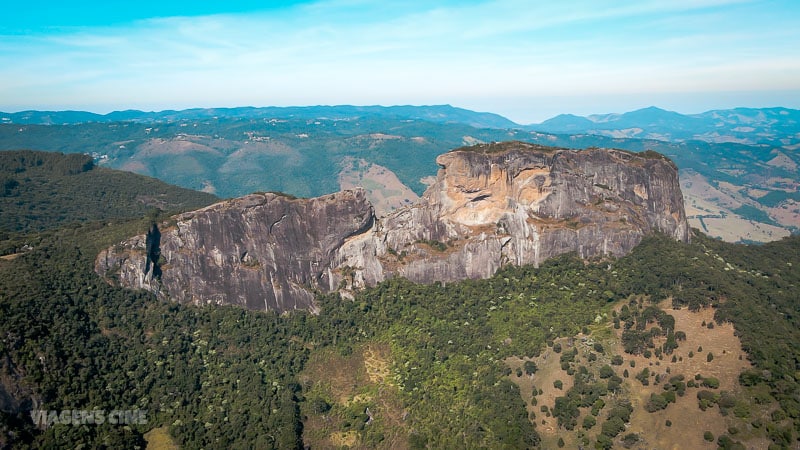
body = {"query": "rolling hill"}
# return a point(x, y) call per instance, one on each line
point(735, 191)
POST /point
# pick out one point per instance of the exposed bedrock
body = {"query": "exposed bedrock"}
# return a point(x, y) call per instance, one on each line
point(491, 205)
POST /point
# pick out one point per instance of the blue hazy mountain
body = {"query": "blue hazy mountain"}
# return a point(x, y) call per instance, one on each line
point(739, 164)
point(742, 125)
point(435, 113)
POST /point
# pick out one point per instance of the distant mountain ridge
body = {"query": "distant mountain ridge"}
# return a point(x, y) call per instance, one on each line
point(434, 113)
point(774, 126)
point(739, 168)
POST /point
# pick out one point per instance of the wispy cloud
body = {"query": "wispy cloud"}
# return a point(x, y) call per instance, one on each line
point(350, 51)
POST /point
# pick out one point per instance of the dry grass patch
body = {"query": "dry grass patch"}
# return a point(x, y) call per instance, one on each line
point(159, 439)
point(688, 422)
point(351, 384)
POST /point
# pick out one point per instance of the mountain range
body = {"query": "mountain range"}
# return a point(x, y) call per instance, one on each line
point(740, 181)
point(437, 114)
point(776, 126)
point(771, 126)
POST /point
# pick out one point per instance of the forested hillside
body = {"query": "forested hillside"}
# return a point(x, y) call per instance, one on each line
point(399, 366)
point(223, 377)
point(42, 190)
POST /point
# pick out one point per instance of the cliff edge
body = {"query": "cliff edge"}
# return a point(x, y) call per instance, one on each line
point(491, 205)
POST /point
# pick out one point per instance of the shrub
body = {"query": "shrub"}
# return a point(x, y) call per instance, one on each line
point(644, 376)
point(708, 436)
point(606, 371)
point(710, 357)
point(726, 400)
point(613, 426)
point(597, 406)
point(630, 439)
point(656, 403)
point(598, 347)
point(614, 383)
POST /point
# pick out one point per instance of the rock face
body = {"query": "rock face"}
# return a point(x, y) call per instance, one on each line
point(492, 205)
point(261, 251)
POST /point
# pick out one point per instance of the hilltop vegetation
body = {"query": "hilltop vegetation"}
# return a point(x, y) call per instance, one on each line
point(43, 190)
point(220, 377)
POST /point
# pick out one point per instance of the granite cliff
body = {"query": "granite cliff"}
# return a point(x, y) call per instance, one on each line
point(491, 205)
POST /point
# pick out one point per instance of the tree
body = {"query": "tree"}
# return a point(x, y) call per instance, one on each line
point(606, 371)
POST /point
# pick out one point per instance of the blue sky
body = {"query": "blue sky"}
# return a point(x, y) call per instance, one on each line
point(527, 60)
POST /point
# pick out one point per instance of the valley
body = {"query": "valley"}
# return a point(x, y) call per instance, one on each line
point(314, 151)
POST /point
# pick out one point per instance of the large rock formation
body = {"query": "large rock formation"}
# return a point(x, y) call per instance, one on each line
point(495, 204)
point(261, 251)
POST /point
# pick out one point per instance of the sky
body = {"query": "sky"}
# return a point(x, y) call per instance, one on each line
point(525, 59)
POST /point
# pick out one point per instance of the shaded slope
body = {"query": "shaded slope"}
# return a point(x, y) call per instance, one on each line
point(43, 190)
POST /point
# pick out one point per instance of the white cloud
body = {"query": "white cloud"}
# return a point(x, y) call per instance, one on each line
point(346, 51)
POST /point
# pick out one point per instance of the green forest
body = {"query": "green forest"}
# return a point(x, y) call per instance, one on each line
point(223, 377)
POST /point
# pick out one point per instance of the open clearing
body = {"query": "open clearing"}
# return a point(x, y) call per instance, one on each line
point(687, 422)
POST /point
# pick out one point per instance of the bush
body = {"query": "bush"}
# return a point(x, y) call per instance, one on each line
point(630, 439)
point(598, 347)
point(613, 426)
point(644, 376)
point(710, 357)
point(708, 436)
point(657, 402)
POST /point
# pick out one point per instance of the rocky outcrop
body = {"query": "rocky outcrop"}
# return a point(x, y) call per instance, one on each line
point(261, 251)
point(521, 204)
point(492, 205)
